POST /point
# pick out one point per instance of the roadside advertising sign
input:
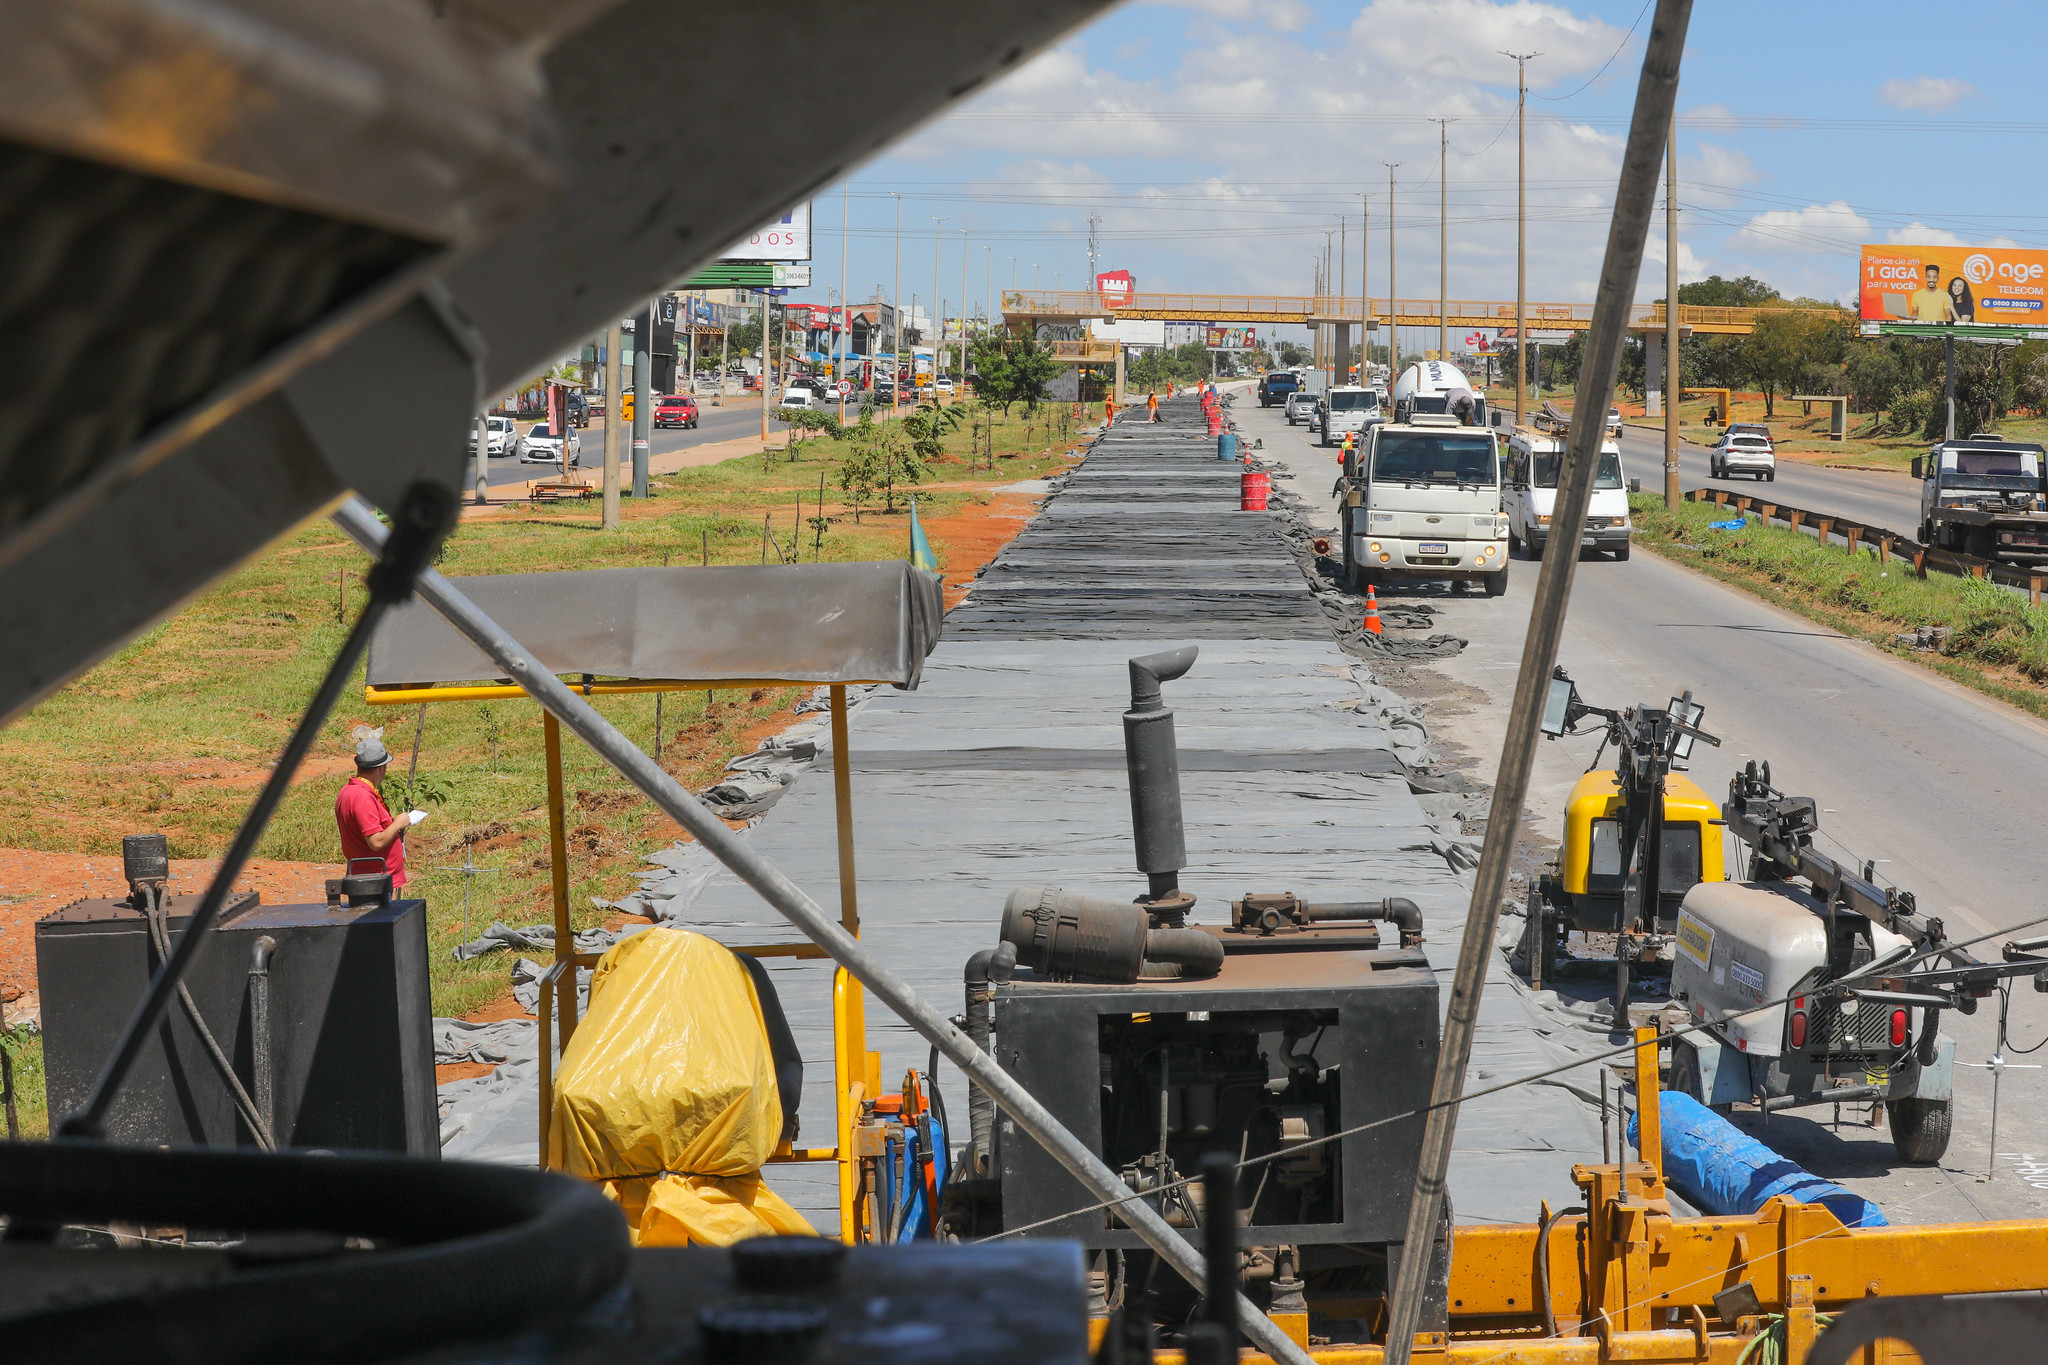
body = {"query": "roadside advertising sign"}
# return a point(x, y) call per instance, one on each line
point(1223, 338)
point(1943, 285)
point(1481, 342)
point(787, 238)
point(558, 395)
point(1116, 287)
point(1540, 336)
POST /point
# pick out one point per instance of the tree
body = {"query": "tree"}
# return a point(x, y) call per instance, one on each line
point(1715, 292)
point(1292, 354)
point(1014, 370)
point(1788, 348)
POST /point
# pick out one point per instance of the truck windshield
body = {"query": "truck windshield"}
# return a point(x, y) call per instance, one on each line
point(1990, 469)
point(1545, 467)
point(1416, 457)
point(1341, 401)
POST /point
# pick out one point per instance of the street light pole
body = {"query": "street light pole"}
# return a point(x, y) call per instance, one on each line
point(1672, 495)
point(896, 334)
point(845, 303)
point(1364, 290)
point(613, 340)
point(938, 316)
point(1393, 298)
point(962, 380)
point(1521, 233)
point(1443, 228)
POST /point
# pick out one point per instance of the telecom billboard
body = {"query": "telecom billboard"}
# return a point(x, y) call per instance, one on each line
point(787, 238)
point(1944, 285)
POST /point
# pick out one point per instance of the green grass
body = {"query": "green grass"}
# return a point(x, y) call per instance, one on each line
point(174, 734)
point(25, 1055)
point(1998, 644)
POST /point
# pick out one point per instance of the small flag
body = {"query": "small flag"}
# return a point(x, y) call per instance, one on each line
point(921, 555)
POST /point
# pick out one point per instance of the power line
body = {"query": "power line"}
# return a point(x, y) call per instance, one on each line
point(1555, 99)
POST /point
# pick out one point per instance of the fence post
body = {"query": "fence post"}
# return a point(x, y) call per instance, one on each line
point(1794, 516)
point(1825, 526)
point(2034, 589)
point(1920, 562)
point(1979, 570)
point(1855, 534)
point(1884, 549)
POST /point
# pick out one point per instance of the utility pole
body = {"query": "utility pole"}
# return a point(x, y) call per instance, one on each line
point(1521, 233)
point(643, 388)
point(963, 311)
point(482, 493)
point(1443, 227)
point(1343, 292)
point(1672, 495)
point(1364, 290)
point(1393, 299)
point(767, 377)
point(896, 338)
point(612, 408)
point(845, 337)
point(938, 315)
point(988, 288)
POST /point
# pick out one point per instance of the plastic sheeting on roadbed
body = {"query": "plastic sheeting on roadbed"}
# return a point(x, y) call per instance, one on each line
point(1005, 768)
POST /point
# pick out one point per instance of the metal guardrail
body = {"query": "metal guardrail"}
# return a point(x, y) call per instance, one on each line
point(1884, 540)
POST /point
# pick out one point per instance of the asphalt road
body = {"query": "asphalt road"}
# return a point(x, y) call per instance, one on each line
point(1888, 500)
point(736, 416)
point(1943, 787)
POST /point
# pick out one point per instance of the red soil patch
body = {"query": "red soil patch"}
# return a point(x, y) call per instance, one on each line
point(32, 884)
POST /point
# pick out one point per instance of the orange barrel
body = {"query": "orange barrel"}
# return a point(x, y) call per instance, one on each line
point(1255, 485)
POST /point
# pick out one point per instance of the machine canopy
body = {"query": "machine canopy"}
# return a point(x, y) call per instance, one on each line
point(819, 623)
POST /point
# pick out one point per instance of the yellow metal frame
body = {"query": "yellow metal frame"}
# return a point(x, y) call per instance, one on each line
point(1597, 796)
point(855, 1070)
point(1721, 397)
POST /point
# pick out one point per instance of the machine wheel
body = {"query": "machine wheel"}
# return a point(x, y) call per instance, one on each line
point(1920, 1129)
point(1497, 582)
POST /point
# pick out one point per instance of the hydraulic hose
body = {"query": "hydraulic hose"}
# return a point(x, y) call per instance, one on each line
point(154, 915)
point(987, 966)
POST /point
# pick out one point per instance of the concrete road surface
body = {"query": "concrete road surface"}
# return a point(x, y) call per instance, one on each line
point(1888, 500)
point(1944, 788)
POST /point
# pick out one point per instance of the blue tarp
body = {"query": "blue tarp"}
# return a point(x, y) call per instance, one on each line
point(1723, 1170)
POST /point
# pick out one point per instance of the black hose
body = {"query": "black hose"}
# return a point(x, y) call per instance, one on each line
point(160, 936)
point(480, 1252)
point(1543, 1267)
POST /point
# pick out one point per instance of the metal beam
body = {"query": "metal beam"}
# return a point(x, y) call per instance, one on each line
point(358, 521)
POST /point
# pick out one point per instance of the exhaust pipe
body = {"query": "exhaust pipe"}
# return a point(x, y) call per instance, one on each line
point(1152, 759)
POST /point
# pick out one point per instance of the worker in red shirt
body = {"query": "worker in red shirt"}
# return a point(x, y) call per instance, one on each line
point(369, 832)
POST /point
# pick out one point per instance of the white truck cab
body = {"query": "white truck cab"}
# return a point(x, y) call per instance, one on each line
point(1421, 500)
point(1347, 409)
point(1534, 459)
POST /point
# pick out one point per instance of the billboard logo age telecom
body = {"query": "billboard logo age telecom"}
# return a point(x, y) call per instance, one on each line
point(1116, 288)
point(1938, 285)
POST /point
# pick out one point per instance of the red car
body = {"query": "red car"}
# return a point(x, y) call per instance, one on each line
point(675, 410)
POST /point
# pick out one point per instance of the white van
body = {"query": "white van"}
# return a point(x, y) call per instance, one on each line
point(1345, 410)
point(1534, 458)
point(1422, 501)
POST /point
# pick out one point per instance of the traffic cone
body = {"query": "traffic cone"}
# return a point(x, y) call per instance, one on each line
point(1372, 612)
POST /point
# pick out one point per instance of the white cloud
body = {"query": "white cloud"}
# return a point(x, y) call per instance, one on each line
point(1283, 16)
point(1802, 232)
point(1925, 94)
point(1917, 233)
point(1461, 37)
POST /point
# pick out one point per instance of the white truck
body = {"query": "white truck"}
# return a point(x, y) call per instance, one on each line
point(1345, 410)
point(1421, 500)
point(1437, 387)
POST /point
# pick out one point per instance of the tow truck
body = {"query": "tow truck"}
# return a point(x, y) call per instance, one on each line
point(1984, 496)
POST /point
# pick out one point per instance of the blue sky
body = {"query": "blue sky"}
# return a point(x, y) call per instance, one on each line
point(1219, 140)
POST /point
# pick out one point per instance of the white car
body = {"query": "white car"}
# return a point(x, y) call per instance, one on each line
point(1301, 407)
point(943, 386)
point(542, 446)
point(1745, 448)
point(498, 433)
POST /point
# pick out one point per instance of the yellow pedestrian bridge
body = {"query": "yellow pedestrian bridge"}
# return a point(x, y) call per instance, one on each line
point(1024, 309)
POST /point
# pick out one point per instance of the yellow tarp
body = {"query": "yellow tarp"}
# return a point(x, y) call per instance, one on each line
point(667, 1094)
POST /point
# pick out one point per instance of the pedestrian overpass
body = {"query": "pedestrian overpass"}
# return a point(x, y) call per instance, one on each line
point(1025, 309)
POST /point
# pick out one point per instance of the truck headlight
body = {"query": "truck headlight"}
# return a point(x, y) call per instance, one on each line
point(1543, 520)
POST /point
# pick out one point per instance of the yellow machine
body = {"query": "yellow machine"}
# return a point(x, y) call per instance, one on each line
point(1591, 865)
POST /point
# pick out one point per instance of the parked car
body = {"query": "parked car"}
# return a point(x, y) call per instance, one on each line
point(797, 396)
point(542, 446)
point(1301, 406)
point(885, 391)
point(675, 410)
point(498, 432)
point(943, 386)
point(1745, 448)
point(578, 408)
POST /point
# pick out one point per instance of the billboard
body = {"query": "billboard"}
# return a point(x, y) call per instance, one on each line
point(1116, 287)
point(1938, 285)
point(787, 238)
point(1129, 332)
point(1231, 338)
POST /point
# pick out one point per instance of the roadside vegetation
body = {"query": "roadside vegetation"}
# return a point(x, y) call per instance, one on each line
point(1984, 636)
point(175, 733)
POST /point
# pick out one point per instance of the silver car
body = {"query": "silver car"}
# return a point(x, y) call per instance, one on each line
point(1745, 448)
point(1301, 407)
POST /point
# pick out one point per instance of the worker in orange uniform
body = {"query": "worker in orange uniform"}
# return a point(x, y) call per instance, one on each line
point(369, 832)
point(1152, 406)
